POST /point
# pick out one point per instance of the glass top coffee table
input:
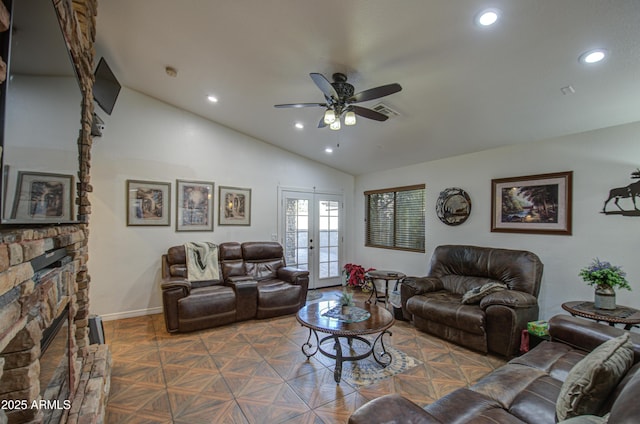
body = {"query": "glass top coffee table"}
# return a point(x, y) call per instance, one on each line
point(365, 319)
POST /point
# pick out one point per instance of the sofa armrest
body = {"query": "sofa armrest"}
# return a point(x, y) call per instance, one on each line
point(418, 285)
point(172, 291)
point(391, 409)
point(511, 298)
point(178, 284)
point(298, 277)
point(413, 286)
point(246, 290)
point(587, 335)
point(292, 275)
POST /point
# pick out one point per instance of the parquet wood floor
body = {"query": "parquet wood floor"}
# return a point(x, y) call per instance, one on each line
point(255, 372)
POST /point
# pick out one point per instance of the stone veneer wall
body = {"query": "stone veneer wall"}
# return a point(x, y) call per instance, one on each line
point(26, 308)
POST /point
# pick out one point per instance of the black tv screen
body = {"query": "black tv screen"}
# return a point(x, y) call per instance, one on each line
point(106, 87)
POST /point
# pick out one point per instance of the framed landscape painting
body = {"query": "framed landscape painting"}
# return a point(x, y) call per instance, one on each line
point(235, 206)
point(194, 209)
point(43, 197)
point(148, 203)
point(536, 204)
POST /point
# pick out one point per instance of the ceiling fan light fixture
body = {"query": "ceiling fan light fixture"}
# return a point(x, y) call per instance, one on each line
point(329, 117)
point(335, 125)
point(350, 118)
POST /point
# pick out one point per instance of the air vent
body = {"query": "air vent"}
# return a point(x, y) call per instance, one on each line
point(385, 110)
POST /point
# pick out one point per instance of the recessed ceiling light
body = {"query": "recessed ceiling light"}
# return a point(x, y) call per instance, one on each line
point(593, 56)
point(299, 125)
point(328, 150)
point(212, 98)
point(487, 17)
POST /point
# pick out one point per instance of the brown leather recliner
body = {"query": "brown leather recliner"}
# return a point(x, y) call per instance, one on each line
point(279, 290)
point(434, 302)
point(255, 283)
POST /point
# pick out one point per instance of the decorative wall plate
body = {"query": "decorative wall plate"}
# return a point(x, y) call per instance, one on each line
point(453, 206)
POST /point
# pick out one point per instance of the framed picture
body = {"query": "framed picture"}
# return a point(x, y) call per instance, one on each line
point(536, 204)
point(194, 209)
point(148, 203)
point(43, 197)
point(235, 206)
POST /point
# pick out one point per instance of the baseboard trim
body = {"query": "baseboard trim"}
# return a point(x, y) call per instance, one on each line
point(132, 314)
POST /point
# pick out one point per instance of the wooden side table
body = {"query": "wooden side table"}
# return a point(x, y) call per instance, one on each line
point(386, 276)
point(621, 315)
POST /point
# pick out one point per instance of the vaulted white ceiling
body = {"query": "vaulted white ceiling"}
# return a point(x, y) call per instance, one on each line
point(465, 88)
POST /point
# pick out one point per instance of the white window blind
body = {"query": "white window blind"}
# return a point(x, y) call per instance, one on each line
point(395, 218)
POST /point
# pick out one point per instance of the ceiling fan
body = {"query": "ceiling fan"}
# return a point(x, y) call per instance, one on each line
point(340, 99)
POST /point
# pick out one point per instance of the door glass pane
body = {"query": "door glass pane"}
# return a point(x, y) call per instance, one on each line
point(328, 212)
point(297, 233)
point(324, 240)
point(324, 254)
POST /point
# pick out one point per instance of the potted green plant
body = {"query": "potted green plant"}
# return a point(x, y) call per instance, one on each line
point(606, 278)
point(346, 301)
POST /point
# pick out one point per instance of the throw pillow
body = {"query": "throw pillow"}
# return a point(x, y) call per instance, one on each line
point(590, 381)
point(475, 295)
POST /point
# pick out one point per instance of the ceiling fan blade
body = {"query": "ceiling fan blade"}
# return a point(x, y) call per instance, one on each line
point(368, 113)
point(299, 105)
point(374, 93)
point(324, 85)
point(321, 124)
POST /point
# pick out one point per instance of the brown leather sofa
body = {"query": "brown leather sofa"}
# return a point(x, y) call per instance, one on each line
point(494, 324)
point(525, 390)
point(255, 283)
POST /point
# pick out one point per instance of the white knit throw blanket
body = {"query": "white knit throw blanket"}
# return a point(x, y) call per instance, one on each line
point(202, 261)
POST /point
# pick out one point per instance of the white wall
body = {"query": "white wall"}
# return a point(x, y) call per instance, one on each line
point(149, 140)
point(600, 160)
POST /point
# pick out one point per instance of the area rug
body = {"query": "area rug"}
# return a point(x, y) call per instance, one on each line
point(367, 372)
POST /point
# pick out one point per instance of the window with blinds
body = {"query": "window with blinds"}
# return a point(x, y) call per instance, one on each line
point(395, 218)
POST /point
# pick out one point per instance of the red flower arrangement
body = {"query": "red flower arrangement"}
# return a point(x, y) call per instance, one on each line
point(355, 274)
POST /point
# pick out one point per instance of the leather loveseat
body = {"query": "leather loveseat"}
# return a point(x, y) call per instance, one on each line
point(254, 283)
point(491, 321)
point(527, 388)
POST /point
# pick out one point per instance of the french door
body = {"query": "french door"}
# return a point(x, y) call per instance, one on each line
point(311, 232)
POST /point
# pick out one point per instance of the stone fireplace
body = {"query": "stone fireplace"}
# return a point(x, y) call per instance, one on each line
point(43, 332)
point(44, 283)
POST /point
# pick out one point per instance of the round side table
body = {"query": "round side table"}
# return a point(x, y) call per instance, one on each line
point(621, 315)
point(387, 276)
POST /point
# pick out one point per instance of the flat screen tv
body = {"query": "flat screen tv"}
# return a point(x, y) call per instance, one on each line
point(106, 87)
